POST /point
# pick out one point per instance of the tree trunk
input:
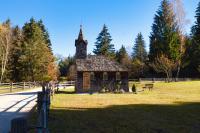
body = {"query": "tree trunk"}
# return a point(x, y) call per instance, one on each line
point(178, 71)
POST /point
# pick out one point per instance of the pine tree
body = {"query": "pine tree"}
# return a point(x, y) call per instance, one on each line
point(122, 55)
point(164, 38)
point(194, 50)
point(103, 44)
point(139, 51)
point(64, 65)
point(36, 59)
point(45, 33)
point(16, 51)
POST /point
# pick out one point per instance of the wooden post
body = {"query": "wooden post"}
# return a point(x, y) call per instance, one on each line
point(39, 101)
point(29, 85)
point(11, 87)
point(24, 85)
point(19, 125)
point(34, 84)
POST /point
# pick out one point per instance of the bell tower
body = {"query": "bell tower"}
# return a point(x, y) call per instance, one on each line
point(81, 46)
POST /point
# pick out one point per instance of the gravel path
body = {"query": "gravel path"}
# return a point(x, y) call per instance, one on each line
point(14, 105)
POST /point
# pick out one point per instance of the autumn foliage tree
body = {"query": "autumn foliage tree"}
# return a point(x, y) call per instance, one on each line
point(36, 59)
point(5, 46)
point(26, 54)
point(162, 64)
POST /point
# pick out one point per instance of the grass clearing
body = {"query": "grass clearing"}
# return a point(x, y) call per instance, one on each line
point(7, 90)
point(169, 108)
point(4, 90)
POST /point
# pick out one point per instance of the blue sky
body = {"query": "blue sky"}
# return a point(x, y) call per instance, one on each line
point(124, 18)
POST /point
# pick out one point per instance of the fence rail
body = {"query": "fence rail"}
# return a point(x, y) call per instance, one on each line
point(20, 125)
point(43, 105)
point(164, 79)
point(10, 87)
point(64, 84)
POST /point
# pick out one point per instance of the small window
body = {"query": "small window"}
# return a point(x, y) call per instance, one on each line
point(105, 76)
point(92, 76)
point(118, 76)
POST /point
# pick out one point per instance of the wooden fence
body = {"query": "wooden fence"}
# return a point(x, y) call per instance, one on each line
point(10, 87)
point(65, 84)
point(163, 79)
point(20, 125)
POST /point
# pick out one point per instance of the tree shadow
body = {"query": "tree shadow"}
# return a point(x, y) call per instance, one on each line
point(65, 92)
point(138, 118)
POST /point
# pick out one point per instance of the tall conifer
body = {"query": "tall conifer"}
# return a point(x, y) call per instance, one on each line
point(139, 51)
point(194, 50)
point(103, 44)
point(164, 38)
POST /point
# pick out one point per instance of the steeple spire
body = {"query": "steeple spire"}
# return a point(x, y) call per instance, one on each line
point(80, 36)
point(81, 46)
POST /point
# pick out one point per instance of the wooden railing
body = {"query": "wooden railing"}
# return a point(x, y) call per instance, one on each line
point(10, 87)
point(20, 125)
point(163, 79)
point(64, 84)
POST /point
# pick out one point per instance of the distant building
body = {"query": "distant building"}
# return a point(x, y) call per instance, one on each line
point(94, 73)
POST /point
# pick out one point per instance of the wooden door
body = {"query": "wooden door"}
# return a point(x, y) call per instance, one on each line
point(86, 80)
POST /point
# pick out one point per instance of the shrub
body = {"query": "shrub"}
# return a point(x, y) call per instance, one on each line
point(134, 89)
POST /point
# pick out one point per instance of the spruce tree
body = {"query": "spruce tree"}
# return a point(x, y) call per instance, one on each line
point(45, 34)
point(139, 51)
point(16, 51)
point(194, 50)
point(121, 54)
point(103, 44)
point(164, 38)
point(36, 56)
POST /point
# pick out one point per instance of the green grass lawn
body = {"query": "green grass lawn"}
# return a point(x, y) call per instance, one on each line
point(169, 108)
point(6, 89)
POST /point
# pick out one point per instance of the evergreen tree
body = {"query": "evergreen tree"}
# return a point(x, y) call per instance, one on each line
point(103, 44)
point(122, 55)
point(139, 51)
point(164, 38)
point(64, 65)
point(36, 59)
point(194, 50)
point(16, 51)
point(45, 34)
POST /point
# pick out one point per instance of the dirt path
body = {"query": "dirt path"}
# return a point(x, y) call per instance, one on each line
point(15, 105)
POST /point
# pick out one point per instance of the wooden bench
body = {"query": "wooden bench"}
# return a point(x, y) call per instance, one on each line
point(148, 86)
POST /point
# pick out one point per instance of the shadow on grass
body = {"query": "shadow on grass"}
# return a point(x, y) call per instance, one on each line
point(141, 118)
point(64, 92)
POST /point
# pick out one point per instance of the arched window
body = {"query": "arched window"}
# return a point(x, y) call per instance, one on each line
point(92, 76)
point(105, 76)
point(118, 76)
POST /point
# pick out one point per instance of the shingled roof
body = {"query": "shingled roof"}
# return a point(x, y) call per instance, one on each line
point(95, 63)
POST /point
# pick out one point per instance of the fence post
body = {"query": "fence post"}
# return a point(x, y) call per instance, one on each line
point(29, 85)
point(11, 86)
point(24, 85)
point(19, 125)
point(39, 100)
point(34, 84)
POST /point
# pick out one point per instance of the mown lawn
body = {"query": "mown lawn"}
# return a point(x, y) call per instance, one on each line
point(6, 89)
point(169, 108)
